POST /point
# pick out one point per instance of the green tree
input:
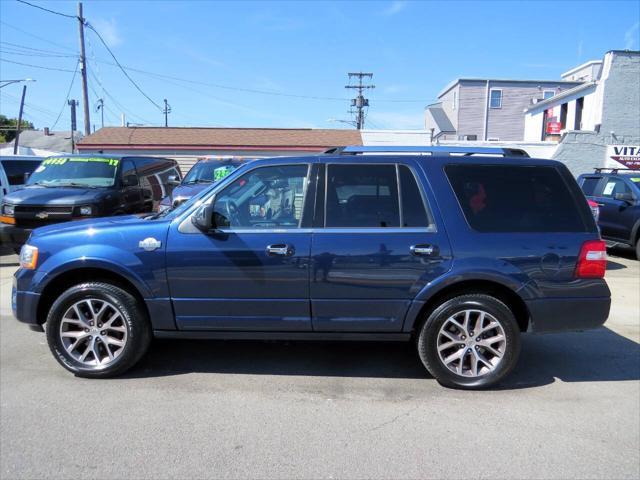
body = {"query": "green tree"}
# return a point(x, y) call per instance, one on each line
point(8, 128)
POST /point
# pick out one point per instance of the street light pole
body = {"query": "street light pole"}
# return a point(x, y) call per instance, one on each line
point(9, 82)
point(17, 139)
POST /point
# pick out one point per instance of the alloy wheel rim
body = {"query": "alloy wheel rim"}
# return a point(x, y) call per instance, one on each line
point(471, 343)
point(93, 332)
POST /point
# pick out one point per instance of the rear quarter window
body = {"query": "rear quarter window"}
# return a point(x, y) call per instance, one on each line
point(15, 170)
point(500, 198)
point(589, 185)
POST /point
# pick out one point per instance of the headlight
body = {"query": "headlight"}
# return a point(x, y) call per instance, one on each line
point(28, 257)
point(86, 211)
point(8, 210)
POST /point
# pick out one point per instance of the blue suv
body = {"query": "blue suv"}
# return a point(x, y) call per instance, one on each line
point(458, 250)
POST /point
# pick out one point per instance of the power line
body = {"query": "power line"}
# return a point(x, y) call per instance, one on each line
point(25, 47)
point(46, 40)
point(64, 104)
point(36, 66)
point(88, 25)
point(47, 10)
point(23, 53)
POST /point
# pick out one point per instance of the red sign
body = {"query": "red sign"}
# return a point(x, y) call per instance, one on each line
point(553, 128)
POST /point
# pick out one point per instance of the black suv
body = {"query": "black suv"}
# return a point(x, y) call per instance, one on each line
point(74, 187)
point(617, 193)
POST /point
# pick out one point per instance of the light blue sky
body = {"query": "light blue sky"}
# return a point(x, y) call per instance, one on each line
point(304, 49)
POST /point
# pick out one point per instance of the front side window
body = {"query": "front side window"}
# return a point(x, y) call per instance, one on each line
point(362, 196)
point(495, 98)
point(264, 198)
point(75, 171)
point(501, 198)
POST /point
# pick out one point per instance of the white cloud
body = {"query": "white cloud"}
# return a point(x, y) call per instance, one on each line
point(631, 37)
point(395, 7)
point(109, 31)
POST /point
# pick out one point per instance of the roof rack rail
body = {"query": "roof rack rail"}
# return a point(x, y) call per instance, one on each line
point(614, 170)
point(440, 149)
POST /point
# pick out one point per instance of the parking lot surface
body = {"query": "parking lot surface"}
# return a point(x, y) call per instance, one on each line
point(326, 410)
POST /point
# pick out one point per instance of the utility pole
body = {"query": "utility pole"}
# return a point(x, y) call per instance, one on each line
point(360, 102)
point(166, 111)
point(100, 107)
point(73, 104)
point(83, 72)
point(17, 139)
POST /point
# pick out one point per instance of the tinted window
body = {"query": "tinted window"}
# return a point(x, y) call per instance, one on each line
point(15, 170)
point(614, 186)
point(267, 197)
point(589, 185)
point(413, 211)
point(362, 196)
point(515, 199)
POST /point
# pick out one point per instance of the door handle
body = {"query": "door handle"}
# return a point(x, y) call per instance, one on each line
point(280, 249)
point(422, 250)
point(600, 204)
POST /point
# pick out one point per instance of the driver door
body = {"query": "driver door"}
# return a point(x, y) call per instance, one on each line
point(252, 272)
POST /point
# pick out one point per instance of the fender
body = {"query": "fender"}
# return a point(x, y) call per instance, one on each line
point(519, 284)
point(74, 258)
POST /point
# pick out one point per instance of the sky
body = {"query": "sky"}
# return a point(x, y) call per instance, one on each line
point(285, 64)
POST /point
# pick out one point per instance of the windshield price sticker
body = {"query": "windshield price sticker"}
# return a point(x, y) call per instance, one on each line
point(61, 161)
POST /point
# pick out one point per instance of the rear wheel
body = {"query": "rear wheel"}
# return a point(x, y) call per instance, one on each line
point(638, 249)
point(470, 342)
point(97, 330)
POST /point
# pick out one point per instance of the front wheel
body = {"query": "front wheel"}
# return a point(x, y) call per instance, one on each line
point(470, 342)
point(97, 330)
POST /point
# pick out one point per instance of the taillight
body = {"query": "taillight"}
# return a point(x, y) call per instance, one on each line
point(595, 210)
point(592, 262)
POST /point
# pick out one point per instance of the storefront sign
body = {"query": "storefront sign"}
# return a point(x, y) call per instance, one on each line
point(625, 155)
point(553, 128)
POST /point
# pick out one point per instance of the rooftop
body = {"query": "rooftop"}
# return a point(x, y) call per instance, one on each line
point(502, 80)
point(201, 137)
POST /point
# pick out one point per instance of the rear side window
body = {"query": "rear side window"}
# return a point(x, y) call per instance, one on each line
point(589, 185)
point(362, 196)
point(500, 198)
point(413, 211)
point(615, 186)
point(15, 170)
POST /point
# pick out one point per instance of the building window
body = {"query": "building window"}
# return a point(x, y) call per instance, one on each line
point(455, 94)
point(495, 98)
point(548, 94)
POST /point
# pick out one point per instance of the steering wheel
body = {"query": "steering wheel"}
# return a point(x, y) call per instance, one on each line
point(232, 212)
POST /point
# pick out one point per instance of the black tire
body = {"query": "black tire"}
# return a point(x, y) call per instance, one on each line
point(428, 338)
point(138, 329)
point(638, 249)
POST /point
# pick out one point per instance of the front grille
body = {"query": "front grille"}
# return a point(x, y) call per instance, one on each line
point(43, 208)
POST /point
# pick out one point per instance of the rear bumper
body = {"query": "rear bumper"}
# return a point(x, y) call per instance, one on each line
point(567, 314)
point(13, 236)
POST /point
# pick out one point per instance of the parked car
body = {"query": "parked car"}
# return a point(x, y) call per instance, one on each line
point(205, 172)
point(459, 254)
point(13, 171)
point(75, 187)
point(617, 194)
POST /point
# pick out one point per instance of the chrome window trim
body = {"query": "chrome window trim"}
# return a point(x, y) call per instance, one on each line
point(320, 230)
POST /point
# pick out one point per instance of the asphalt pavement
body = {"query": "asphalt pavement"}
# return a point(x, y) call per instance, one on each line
point(214, 409)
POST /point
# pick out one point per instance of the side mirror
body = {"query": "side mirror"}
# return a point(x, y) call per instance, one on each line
point(203, 218)
point(625, 197)
point(173, 180)
point(130, 181)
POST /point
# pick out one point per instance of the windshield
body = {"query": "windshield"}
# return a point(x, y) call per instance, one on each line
point(208, 172)
point(75, 171)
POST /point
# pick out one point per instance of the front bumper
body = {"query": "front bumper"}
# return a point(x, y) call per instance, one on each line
point(550, 315)
point(24, 305)
point(13, 236)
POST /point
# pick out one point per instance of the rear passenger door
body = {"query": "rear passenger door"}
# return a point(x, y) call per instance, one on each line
point(374, 246)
